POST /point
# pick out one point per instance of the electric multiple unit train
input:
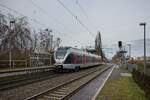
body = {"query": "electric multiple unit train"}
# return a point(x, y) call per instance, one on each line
point(72, 58)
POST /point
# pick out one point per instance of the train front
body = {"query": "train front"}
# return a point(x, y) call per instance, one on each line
point(59, 56)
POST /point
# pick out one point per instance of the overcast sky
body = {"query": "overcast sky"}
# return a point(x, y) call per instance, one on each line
point(115, 19)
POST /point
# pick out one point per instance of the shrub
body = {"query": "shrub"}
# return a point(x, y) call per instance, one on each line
point(143, 81)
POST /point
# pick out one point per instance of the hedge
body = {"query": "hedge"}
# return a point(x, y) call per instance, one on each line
point(143, 81)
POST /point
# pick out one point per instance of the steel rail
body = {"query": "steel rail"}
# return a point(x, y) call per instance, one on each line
point(64, 96)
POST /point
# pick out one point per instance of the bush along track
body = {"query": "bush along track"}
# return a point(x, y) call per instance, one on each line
point(143, 81)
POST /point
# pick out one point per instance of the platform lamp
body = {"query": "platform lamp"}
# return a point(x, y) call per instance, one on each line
point(144, 24)
point(129, 45)
point(10, 53)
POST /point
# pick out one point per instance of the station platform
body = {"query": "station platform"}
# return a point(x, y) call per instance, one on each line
point(119, 81)
point(91, 90)
point(19, 71)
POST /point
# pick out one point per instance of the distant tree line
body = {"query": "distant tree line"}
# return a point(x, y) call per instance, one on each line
point(17, 36)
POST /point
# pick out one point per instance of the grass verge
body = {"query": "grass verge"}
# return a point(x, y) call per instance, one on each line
point(122, 88)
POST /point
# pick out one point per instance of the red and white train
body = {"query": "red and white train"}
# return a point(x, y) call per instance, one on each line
point(72, 58)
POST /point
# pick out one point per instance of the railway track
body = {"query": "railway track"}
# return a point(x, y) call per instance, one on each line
point(65, 90)
point(22, 71)
point(26, 79)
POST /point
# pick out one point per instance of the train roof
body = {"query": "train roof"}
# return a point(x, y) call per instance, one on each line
point(76, 50)
point(63, 48)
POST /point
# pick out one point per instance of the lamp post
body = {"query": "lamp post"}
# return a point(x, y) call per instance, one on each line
point(51, 40)
point(144, 24)
point(129, 50)
point(50, 37)
point(10, 53)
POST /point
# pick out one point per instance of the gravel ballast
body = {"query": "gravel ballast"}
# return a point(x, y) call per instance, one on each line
point(23, 92)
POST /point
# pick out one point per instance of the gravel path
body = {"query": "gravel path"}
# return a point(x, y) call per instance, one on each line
point(23, 92)
point(116, 73)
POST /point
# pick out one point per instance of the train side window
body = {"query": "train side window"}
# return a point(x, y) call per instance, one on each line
point(74, 59)
point(87, 59)
point(71, 57)
point(80, 59)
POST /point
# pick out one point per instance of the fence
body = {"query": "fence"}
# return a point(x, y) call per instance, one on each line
point(14, 63)
point(40, 59)
point(33, 60)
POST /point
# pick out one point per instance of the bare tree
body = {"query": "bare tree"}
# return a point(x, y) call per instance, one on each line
point(3, 31)
point(45, 39)
point(56, 43)
point(3, 19)
point(34, 44)
point(19, 36)
point(22, 35)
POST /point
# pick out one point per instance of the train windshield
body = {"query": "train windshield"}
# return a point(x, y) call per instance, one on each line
point(60, 54)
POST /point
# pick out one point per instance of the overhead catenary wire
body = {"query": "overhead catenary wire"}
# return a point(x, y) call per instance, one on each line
point(15, 11)
point(85, 13)
point(34, 20)
point(82, 9)
point(32, 2)
point(46, 13)
point(76, 18)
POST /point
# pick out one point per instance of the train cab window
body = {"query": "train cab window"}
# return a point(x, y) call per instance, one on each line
point(69, 59)
point(60, 54)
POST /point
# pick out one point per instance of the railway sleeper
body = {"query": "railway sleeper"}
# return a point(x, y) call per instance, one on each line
point(58, 92)
point(40, 99)
point(50, 98)
point(63, 92)
point(57, 95)
point(71, 88)
point(74, 84)
point(69, 85)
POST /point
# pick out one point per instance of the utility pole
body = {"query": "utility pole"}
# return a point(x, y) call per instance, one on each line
point(122, 52)
point(50, 37)
point(129, 50)
point(51, 40)
point(58, 40)
point(98, 46)
point(10, 53)
point(144, 24)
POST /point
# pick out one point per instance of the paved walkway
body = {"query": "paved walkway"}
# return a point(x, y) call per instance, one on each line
point(88, 92)
point(117, 73)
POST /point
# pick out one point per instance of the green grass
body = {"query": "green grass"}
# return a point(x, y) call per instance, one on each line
point(122, 88)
